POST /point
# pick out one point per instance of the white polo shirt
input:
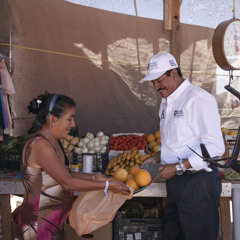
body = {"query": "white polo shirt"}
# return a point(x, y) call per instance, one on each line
point(189, 117)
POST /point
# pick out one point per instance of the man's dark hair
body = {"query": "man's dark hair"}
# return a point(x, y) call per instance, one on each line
point(168, 73)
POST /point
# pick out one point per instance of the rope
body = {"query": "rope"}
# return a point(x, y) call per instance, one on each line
point(60, 53)
point(120, 63)
point(234, 8)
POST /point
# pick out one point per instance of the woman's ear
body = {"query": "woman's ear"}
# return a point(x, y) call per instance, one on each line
point(52, 120)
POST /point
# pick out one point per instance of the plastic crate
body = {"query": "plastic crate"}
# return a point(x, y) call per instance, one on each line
point(100, 161)
point(10, 161)
point(137, 229)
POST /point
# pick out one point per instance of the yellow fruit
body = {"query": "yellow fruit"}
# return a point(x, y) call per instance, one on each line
point(133, 170)
point(155, 148)
point(151, 144)
point(120, 174)
point(143, 178)
point(157, 134)
point(132, 184)
point(233, 132)
point(150, 137)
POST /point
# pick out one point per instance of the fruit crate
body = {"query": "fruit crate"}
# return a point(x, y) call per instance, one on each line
point(100, 161)
point(10, 161)
point(137, 229)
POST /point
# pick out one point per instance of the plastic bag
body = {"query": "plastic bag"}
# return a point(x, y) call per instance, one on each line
point(92, 210)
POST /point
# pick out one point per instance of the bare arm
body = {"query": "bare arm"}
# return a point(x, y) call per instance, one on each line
point(48, 160)
point(169, 170)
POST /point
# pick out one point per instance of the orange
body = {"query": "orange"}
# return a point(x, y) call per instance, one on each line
point(150, 137)
point(120, 174)
point(130, 176)
point(132, 184)
point(143, 178)
point(155, 148)
point(133, 170)
point(157, 134)
point(158, 141)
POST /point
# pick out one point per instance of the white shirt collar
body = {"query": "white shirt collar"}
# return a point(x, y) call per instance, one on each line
point(177, 92)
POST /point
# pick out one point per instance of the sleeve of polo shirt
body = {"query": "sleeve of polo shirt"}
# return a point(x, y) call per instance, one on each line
point(204, 118)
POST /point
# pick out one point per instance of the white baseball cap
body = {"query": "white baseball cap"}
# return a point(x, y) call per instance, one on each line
point(158, 65)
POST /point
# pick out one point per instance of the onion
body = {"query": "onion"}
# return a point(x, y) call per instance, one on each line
point(77, 150)
point(89, 135)
point(99, 134)
point(90, 145)
point(91, 150)
point(97, 149)
point(103, 149)
point(86, 140)
point(96, 144)
point(80, 144)
point(96, 139)
point(84, 150)
point(103, 142)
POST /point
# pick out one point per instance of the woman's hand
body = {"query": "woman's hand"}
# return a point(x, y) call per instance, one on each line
point(118, 187)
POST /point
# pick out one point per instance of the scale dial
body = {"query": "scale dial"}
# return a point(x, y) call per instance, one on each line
point(226, 44)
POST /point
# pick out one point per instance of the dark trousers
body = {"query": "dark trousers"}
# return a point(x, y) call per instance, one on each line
point(191, 211)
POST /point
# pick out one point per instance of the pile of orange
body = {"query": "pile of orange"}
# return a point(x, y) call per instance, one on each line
point(134, 177)
point(154, 142)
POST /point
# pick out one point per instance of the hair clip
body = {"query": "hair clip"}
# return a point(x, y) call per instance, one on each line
point(52, 103)
point(39, 102)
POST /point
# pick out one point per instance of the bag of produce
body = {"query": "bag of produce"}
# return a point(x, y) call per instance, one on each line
point(92, 210)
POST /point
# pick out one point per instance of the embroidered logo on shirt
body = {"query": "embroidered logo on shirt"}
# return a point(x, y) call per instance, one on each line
point(172, 63)
point(162, 115)
point(178, 113)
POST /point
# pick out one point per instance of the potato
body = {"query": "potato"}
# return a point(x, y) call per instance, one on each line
point(74, 141)
point(70, 148)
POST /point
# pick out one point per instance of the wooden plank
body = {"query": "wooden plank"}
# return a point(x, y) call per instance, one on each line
point(226, 230)
point(167, 15)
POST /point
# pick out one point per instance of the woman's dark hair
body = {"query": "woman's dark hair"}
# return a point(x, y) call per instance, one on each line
point(46, 104)
point(169, 72)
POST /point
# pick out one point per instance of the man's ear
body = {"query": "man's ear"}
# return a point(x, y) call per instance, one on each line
point(174, 73)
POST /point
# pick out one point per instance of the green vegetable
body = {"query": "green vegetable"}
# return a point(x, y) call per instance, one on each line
point(135, 210)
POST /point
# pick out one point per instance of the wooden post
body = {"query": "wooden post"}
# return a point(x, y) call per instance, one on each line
point(175, 41)
point(172, 22)
point(5, 216)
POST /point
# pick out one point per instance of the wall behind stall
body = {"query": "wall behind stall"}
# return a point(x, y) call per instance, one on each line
point(97, 58)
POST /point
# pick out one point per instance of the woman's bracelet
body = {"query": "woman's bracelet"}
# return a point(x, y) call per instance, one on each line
point(106, 188)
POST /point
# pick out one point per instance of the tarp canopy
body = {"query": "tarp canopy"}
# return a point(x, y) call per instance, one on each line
point(97, 57)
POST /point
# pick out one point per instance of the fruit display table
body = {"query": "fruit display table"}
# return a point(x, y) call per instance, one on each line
point(231, 190)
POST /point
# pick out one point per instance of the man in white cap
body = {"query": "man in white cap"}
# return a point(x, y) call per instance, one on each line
point(188, 117)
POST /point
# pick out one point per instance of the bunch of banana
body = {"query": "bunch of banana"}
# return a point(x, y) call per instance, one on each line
point(125, 160)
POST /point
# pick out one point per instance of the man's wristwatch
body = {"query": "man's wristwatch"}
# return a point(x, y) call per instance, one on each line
point(179, 170)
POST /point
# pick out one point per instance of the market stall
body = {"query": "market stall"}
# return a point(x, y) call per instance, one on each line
point(231, 190)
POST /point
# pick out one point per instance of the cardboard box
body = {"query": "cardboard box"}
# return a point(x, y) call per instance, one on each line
point(103, 233)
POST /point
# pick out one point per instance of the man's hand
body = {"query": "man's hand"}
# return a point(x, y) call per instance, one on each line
point(167, 171)
point(152, 159)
